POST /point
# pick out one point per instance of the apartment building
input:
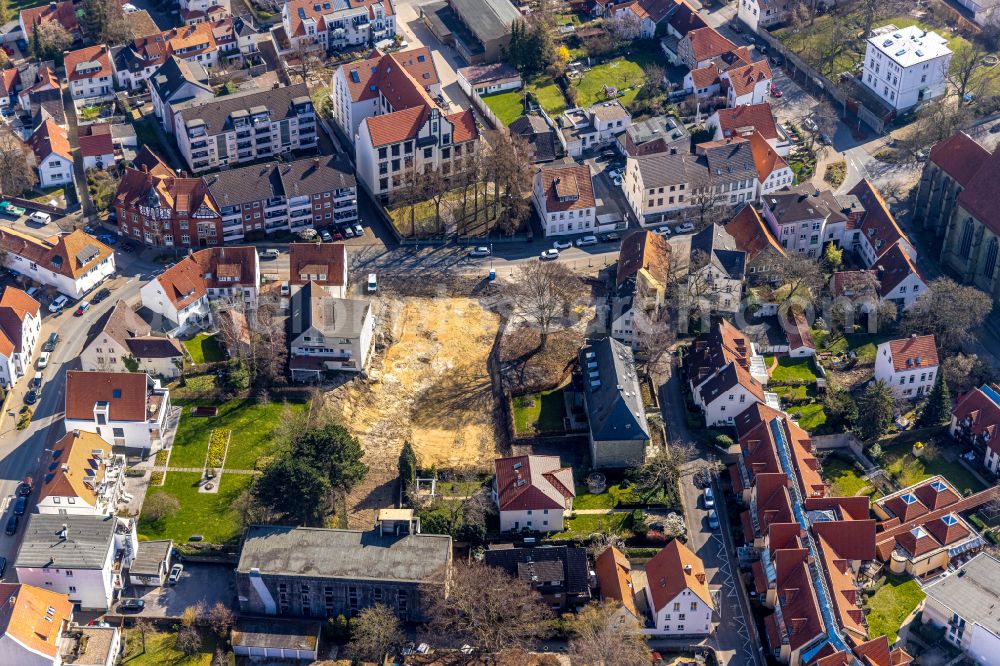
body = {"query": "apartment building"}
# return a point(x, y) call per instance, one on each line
point(963, 603)
point(313, 192)
point(120, 333)
point(329, 333)
point(908, 365)
point(33, 625)
point(331, 25)
point(564, 197)
point(533, 493)
point(86, 477)
point(53, 155)
point(197, 11)
point(20, 325)
point(125, 409)
point(803, 218)
point(72, 263)
point(245, 126)
point(905, 67)
point(580, 130)
point(174, 82)
point(90, 72)
point(677, 592)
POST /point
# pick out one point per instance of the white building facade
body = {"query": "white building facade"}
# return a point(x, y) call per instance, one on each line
point(908, 365)
point(906, 67)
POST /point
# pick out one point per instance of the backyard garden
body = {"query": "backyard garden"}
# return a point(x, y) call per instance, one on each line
point(794, 381)
point(891, 604)
point(539, 413)
point(936, 455)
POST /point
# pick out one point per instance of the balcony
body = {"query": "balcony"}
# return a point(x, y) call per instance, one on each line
point(198, 144)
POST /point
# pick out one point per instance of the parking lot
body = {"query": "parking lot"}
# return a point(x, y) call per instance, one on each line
point(199, 584)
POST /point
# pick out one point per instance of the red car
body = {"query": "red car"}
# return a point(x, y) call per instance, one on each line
point(775, 92)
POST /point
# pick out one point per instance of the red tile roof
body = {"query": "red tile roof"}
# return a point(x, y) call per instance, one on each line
point(96, 143)
point(715, 349)
point(532, 482)
point(765, 158)
point(317, 9)
point(398, 126)
point(34, 617)
point(979, 196)
point(706, 43)
point(63, 13)
point(878, 225)
point(63, 254)
point(745, 78)
point(799, 605)
point(704, 77)
point(644, 250)
point(751, 233)
point(798, 332)
point(463, 126)
point(50, 139)
point(567, 187)
point(918, 351)
point(364, 75)
point(686, 19)
point(19, 302)
point(331, 257)
point(613, 576)
point(959, 156)
point(980, 413)
point(98, 54)
point(191, 277)
point(671, 571)
point(728, 378)
point(125, 392)
point(947, 529)
point(746, 118)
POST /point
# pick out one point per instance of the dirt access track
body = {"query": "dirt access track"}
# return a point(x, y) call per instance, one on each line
point(430, 387)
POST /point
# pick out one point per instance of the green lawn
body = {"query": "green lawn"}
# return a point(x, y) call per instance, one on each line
point(458, 488)
point(508, 106)
point(863, 344)
point(792, 370)
point(812, 415)
point(585, 525)
point(890, 606)
point(549, 95)
point(620, 73)
point(204, 348)
point(900, 464)
point(845, 481)
point(210, 515)
point(160, 650)
point(584, 500)
point(252, 424)
point(539, 412)
point(796, 393)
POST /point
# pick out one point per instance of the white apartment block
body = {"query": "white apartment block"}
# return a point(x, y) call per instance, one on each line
point(906, 67)
point(90, 72)
point(330, 25)
point(245, 126)
point(88, 478)
point(563, 195)
point(73, 263)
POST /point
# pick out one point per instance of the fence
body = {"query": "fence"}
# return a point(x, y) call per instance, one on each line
point(35, 205)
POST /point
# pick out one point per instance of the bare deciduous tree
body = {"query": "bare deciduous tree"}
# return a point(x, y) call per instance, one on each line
point(542, 292)
point(601, 637)
point(488, 608)
point(17, 165)
point(375, 632)
point(221, 618)
point(654, 334)
point(801, 274)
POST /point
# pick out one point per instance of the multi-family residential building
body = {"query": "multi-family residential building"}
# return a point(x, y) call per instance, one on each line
point(639, 19)
point(100, 646)
point(726, 174)
point(614, 578)
point(908, 365)
point(697, 48)
point(176, 81)
point(313, 192)
point(305, 571)
point(126, 409)
point(645, 270)
point(878, 231)
point(963, 603)
point(753, 236)
point(905, 67)
point(729, 391)
point(677, 592)
point(564, 197)
point(329, 333)
point(244, 126)
point(975, 421)
point(708, 270)
point(90, 72)
point(33, 624)
point(749, 84)
point(658, 134)
point(803, 219)
point(717, 348)
point(121, 335)
point(658, 185)
point(560, 574)
point(85, 477)
point(757, 14)
point(326, 25)
point(479, 31)
point(533, 493)
point(78, 555)
point(72, 263)
point(198, 11)
point(323, 264)
point(956, 203)
point(581, 130)
point(53, 155)
point(136, 61)
point(922, 531)
point(185, 293)
point(368, 87)
point(894, 278)
point(157, 207)
point(773, 172)
point(618, 430)
point(20, 324)
point(747, 119)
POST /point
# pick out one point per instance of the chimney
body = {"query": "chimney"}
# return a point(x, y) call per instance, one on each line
point(687, 569)
point(316, 162)
point(700, 577)
point(145, 168)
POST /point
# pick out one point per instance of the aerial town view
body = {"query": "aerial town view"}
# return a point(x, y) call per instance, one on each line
point(493, 332)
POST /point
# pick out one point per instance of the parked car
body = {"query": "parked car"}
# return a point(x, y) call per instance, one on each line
point(663, 231)
point(481, 251)
point(24, 488)
point(285, 289)
point(59, 303)
point(348, 231)
point(108, 239)
point(617, 180)
point(372, 283)
point(325, 235)
point(127, 247)
point(3, 565)
point(101, 295)
point(175, 574)
point(713, 519)
point(83, 307)
point(12, 525)
point(562, 245)
point(43, 360)
point(359, 230)
point(337, 235)
point(129, 8)
point(684, 228)
point(7, 208)
point(995, 128)
point(586, 240)
point(750, 39)
point(31, 397)
point(131, 605)
point(616, 172)
point(20, 505)
point(609, 237)
point(271, 253)
point(776, 92)
point(36, 381)
point(809, 125)
point(709, 498)
point(549, 254)
point(40, 217)
point(50, 344)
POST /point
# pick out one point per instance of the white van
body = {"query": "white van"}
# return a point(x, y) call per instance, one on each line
point(372, 283)
point(40, 217)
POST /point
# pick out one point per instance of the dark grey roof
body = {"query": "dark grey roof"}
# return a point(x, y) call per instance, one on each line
point(539, 135)
point(88, 540)
point(664, 169)
point(313, 175)
point(614, 400)
point(322, 553)
point(487, 19)
point(715, 244)
point(215, 112)
point(573, 560)
point(270, 633)
point(972, 595)
point(313, 306)
point(243, 28)
point(729, 162)
point(47, 104)
point(173, 74)
point(305, 177)
point(149, 557)
point(667, 128)
point(804, 202)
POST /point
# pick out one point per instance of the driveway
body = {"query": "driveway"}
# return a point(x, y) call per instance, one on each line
point(200, 583)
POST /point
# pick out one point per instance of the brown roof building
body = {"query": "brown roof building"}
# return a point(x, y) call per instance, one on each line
point(614, 577)
point(73, 263)
point(84, 476)
point(564, 198)
point(322, 263)
point(127, 409)
point(32, 620)
point(533, 492)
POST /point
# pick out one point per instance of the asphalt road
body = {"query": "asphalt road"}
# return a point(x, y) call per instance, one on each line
point(21, 452)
